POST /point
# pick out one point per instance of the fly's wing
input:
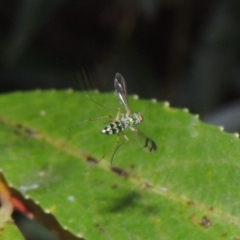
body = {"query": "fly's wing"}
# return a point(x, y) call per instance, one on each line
point(121, 90)
point(147, 143)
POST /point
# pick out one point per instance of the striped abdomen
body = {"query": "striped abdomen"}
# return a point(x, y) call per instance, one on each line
point(113, 128)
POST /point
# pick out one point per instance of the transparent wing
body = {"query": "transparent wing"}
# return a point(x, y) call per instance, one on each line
point(147, 143)
point(121, 90)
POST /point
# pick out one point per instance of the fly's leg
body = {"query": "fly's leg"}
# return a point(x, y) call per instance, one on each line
point(114, 146)
point(99, 104)
point(118, 145)
point(90, 119)
point(118, 109)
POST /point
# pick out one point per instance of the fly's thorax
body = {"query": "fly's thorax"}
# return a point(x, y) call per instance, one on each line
point(113, 128)
point(130, 120)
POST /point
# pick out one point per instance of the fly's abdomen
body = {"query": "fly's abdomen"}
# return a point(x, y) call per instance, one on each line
point(113, 128)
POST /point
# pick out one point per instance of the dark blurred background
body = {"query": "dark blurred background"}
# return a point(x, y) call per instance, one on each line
point(183, 51)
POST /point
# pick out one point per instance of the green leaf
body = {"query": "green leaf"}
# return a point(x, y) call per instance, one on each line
point(10, 231)
point(188, 189)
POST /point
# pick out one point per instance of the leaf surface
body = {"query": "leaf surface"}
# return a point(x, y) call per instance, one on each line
point(188, 189)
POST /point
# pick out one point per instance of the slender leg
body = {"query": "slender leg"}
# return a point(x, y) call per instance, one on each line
point(118, 114)
point(114, 146)
point(101, 104)
point(118, 145)
point(115, 108)
point(88, 120)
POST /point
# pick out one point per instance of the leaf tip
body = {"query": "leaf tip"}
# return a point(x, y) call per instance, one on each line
point(135, 97)
point(96, 91)
point(166, 104)
point(79, 235)
point(27, 197)
point(221, 128)
point(154, 100)
point(69, 91)
point(47, 211)
point(196, 116)
point(65, 228)
point(236, 135)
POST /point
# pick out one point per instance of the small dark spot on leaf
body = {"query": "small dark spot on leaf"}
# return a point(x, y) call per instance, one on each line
point(132, 166)
point(99, 228)
point(211, 208)
point(119, 171)
point(30, 132)
point(206, 222)
point(92, 160)
point(190, 203)
point(18, 129)
point(114, 186)
point(19, 126)
point(16, 132)
point(147, 185)
point(23, 131)
point(224, 234)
